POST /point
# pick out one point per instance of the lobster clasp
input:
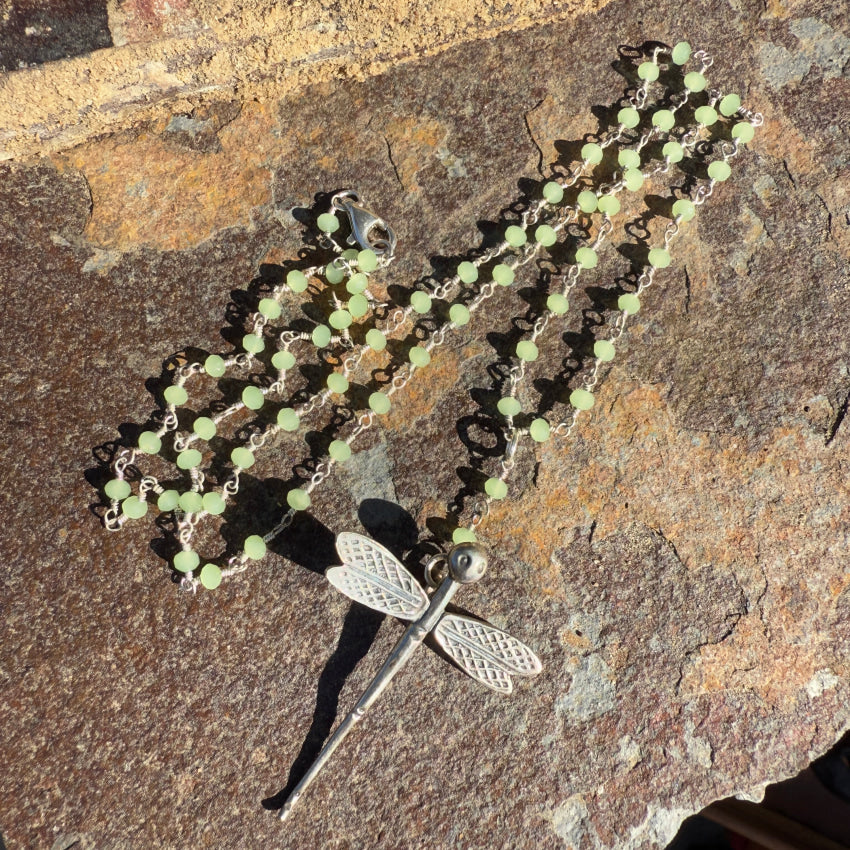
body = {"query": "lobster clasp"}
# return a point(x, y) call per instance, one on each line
point(367, 229)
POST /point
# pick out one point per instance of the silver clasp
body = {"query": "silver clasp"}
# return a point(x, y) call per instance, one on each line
point(367, 229)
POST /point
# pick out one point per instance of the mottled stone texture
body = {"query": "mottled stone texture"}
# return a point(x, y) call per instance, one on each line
point(680, 565)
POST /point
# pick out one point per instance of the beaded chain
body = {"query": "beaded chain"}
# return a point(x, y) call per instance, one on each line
point(357, 326)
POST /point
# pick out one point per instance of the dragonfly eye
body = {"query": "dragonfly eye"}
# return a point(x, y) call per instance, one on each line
point(467, 562)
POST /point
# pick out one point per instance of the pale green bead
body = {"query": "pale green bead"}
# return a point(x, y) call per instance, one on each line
point(694, 81)
point(214, 503)
point(729, 105)
point(350, 254)
point(719, 170)
point(288, 419)
point(586, 257)
point(337, 383)
point(175, 395)
point(358, 306)
point(420, 301)
point(333, 273)
point(297, 281)
point(376, 340)
point(204, 427)
point(117, 489)
point(509, 406)
point(367, 260)
point(648, 71)
point(340, 319)
point(609, 205)
point(186, 561)
point(515, 236)
point(242, 457)
point(526, 350)
point(744, 132)
point(419, 356)
point(553, 192)
point(339, 450)
point(627, 158)
point(633, 179)
point(357, 284)
point(467, 272)
point(253, 398)
point(463, 535)
point(684, 208)
point(168, 500)
point(215, 366)
point(659, 258)
point(582, 399)
point(664, 119)
point(191, 502)
point(321, 336)
point(253, 343)
point(189, 459)
point(587, 201)
point(283, 360)
point(149, 443)
point(604, 350)
point(327, 223)
point(298, 500)
point(681, 53)
point(557, 303)
point(673, 151)
point(539, 430)
point(592, 153)
point(254, 546)
point(706, 115)
point(503, 275)
point(210, 576)
point(380, 403)
point(133, 507)
point(495, 488)
point(269, 308)
point(459, 314)
point(545, 235)
point(629, 303)
point(629, 117)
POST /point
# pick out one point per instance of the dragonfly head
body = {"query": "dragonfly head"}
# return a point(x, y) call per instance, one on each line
point(467, 562)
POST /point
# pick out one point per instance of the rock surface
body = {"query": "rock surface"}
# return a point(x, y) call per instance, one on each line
point(679, 564)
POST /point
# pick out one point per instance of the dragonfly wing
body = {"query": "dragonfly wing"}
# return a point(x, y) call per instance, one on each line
point(486, 653)
point(373, 576)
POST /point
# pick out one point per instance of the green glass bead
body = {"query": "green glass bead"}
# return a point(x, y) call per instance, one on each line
point(367, 260)
point(269, 308)
point(743, 131)
point(604, 350)
point(133, 507)
point(526, 350)
point(298, 500)
point(629, 303)
point(664, 119)
point(242, 457)
point(609, 205)
point(467, 272)
point(175, 395)
point(627, 158)
point(117, 489)
point(705, 115)
point(380, 403)
point(553, 192)
point(729, 105)
point(629, 117)
point(215, 366)
point(420, 301)
point(633, 178)
point(189, 459)
point(592, 153)
point(149, 443)
point(659, 258)
point(419, 356)
point(204, 427)
point(545, 235)
point(214, 503)
point(684, 208)
point(495, 488)
point(586, 257)
point(321, 336)
point(253, 343)
point(186, 561)
point(376, 340)
point(254, 547)
point(297, 281)
point(681, 53)
point(168, 500)
point(557, 303)
point(350, 254)
point(327, 223)
point(648, 71)
point(191, 502)
point(459, 314)
point(333, 273)
point(463, 535)
point(337, 383)
point(283, 360)
point(539, 430)
point(358, 306)
point(694, 81)
point(582, 399)
point(509, 406)
point(288, 419)
point(339, 450)
point(587, 201)
point(673, 151)
point(719, 170)
point(357, 284)
point(340, 319)
point(253, 398)
point(503, 275)
point(515, 236)
point(210, 576)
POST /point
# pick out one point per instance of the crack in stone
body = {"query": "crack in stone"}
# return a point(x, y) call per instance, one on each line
point(393, 163)
point(836, 422)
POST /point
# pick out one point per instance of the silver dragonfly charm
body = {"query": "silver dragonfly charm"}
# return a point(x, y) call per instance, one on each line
point(373, 576)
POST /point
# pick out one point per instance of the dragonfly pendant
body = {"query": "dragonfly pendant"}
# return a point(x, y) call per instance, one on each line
point(373, 576)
